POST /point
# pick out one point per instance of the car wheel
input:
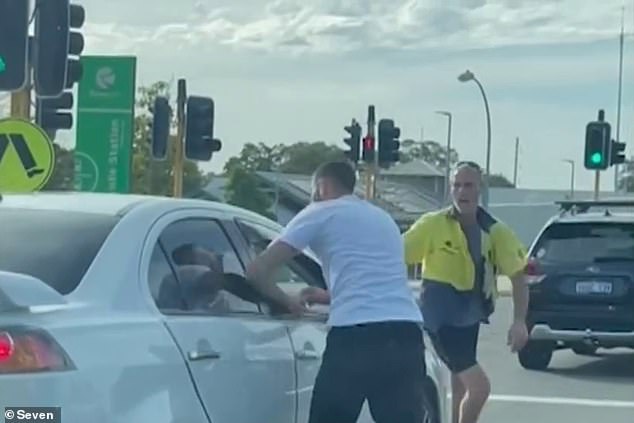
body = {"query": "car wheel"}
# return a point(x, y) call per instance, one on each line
point(536, 355)
point(431, 404)
point(583, 349)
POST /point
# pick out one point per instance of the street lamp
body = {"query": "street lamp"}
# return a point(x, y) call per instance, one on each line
point(448, 158)
point(466, 77)
point(572, 177)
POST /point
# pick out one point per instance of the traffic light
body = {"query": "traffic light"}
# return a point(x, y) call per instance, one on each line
point(160, 127)
point(199, 132)
point(354, 141)
point(14, 39)
point(388, 142)
point(617, 153)
point(369, 147)
point(597, 150)
point(53, 114)
point(56, 63)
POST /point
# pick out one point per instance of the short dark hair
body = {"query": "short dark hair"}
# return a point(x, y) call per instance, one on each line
point(340, 172)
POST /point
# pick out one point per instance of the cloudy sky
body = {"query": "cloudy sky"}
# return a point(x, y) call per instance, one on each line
point(287, 70)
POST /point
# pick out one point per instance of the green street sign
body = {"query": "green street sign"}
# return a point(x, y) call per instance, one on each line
point(105, 124)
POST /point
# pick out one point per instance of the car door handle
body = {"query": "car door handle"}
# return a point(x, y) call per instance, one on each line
point(307, 354)
point(203, 355)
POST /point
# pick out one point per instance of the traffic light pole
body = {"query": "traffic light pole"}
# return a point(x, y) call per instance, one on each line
point(180, 134)
point(597, 183)
point(21, 100)
point(372, 168)
point(21, 104)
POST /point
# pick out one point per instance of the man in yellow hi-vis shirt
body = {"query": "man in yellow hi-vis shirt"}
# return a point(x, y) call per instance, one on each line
point(462, 250)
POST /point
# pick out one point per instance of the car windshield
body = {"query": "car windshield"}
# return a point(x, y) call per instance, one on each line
point(587, 242)
point(54, 246)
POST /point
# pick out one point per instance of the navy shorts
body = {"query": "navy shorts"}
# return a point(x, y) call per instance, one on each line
point(456, 346)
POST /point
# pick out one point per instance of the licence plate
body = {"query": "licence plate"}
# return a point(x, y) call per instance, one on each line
point(594, 287)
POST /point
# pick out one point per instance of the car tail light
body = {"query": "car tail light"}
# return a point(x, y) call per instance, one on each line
point(534, 275)
point(27, 350)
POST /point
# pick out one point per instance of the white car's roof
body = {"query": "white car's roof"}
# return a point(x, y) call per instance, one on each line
point(106, 203)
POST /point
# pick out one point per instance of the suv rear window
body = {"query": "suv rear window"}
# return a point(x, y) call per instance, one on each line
point(54, 246)
point(586, 242)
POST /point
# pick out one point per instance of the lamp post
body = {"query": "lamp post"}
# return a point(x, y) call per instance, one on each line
point(572, 177)
point(448, 156)
point(466, 77)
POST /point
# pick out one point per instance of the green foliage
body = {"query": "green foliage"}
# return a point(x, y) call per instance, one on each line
point(429, 151)
point(62, 178)
point(242, 190)
point(497, 180)
point(300, 158)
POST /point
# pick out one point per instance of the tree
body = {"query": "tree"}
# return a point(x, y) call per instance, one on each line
point(305, 157)
point(242, 190)
point(626, 176)
point(63, 175)
point(301, 158)
point(497, 180)
point(153, 176)
point(429, 151)
point(256, 157)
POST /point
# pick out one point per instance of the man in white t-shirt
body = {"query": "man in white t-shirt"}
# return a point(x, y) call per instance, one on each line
point(375, 348)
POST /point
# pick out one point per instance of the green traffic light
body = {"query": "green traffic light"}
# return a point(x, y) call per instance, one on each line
point(3, 66)
point(596, 158)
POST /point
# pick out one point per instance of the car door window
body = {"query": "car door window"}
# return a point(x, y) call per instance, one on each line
point(188, 268)
point(292, 277)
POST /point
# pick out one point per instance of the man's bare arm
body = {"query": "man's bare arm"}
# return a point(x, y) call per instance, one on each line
point(261, 270)
point(520, 297)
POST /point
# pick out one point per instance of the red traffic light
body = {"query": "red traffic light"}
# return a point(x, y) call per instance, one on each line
point(368, 143)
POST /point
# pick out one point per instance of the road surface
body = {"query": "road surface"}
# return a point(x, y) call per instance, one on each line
point(574, 389)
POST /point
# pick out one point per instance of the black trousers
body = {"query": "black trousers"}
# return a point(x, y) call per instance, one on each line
point(381, 362)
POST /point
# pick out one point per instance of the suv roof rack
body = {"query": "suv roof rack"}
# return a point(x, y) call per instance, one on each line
point(582, 206)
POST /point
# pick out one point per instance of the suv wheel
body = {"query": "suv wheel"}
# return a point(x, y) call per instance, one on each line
point(536, 355)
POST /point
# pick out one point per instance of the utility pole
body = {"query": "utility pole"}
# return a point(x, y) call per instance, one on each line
point(517, 154)
point(620, 94)
point(177, 166)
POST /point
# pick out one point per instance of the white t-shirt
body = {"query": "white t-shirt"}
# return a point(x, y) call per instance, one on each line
point(362, 255)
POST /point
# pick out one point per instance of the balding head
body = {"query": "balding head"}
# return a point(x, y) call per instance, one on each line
point(465, 189)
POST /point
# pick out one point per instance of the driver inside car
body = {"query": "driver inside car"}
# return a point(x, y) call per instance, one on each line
point(201, 276)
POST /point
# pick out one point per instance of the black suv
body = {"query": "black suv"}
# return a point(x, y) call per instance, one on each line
point(581, 276)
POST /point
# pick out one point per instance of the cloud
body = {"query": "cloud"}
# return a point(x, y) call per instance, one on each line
point(286, 70)
point(338, 26)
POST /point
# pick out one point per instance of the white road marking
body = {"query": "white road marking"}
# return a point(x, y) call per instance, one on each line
point(563, 401)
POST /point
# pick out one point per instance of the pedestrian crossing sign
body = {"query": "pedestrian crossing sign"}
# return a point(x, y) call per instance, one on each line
point(27, 156)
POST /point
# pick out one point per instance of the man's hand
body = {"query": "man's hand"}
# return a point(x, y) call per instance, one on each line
point(517, 336)
point(296, 306)
point(313, 295)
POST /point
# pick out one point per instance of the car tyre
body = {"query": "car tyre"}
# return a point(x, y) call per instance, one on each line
point(432, 412)
point(585, 350)
point(536, 355)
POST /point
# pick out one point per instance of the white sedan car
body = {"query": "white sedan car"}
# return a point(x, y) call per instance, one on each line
point(125, 308)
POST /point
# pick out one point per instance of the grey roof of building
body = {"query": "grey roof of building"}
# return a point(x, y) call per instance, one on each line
point(414, 168)
point(400, 199)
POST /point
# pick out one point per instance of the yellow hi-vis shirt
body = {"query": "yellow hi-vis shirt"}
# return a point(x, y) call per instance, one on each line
point(437, 241)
